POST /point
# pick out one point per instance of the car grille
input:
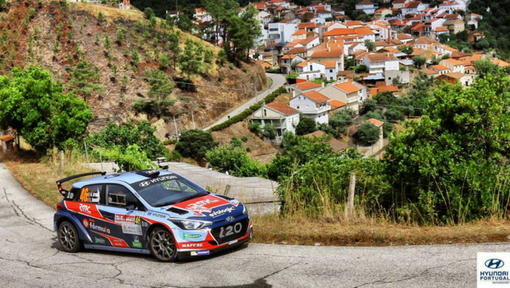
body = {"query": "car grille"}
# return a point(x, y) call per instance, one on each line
point(231, 231)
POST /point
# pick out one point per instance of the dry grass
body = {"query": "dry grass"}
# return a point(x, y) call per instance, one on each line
point(111, 13)
point(301, 231)
point(39, 178)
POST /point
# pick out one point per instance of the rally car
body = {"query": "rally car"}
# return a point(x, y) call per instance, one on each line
point(153, 212)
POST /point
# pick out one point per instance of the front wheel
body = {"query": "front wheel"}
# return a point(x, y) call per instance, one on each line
point(162, 245)
point(68, 237)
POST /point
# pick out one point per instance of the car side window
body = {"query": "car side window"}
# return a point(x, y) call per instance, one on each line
point(118, 196)
point(91, 194)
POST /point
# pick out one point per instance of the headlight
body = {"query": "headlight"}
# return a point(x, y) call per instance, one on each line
point(193, 224)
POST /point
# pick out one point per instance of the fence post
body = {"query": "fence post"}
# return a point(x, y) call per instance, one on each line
point(350, 199)
point(86, 152)
point(62, 160)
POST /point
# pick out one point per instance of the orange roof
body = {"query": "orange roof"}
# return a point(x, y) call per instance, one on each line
point(329, 63)
point(364, 31)
point(376, 122)
point(316, 97)
point(390, 88)
point(355, 22)
point(307, 86)
point(307, 25)
point(347, 87)
point(300, 32)
point(339, 32)
point(453, 62)
point(439, 67)
point(282, 108)
point(325, 53)
point(336, 104)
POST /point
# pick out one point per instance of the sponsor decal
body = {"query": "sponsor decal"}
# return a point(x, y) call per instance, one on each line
point(134, 229)
point(84, 194)
point(85, 208)
point(230, 219)
point(99, 240)
point(493, 269)
point(200, 253)
point(192, 245)
point(85, 223)
point(121, 218)
point(99, 228)
point(137, 220)
point(220, 212)
point(136, 244)
point(201, 206)
point(158, 215)
point(232, 242)
point(231, 230)
point(156, 180)
point(191, 236)
point(118, 242)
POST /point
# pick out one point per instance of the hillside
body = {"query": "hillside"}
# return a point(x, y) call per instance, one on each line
point(121, 45)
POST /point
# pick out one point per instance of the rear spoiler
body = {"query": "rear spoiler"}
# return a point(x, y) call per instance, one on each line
point(59, 182)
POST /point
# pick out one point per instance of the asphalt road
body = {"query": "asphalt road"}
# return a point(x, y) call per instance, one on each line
point(278, 80)
point(30, 256)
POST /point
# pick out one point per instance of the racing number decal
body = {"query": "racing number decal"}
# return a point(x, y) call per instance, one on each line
point(84, 194)
point(230, 230)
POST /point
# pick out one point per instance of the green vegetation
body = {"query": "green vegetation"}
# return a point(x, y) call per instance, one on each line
point(195, 144)
point(36, 106)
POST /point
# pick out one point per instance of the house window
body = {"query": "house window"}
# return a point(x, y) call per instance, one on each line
point(389, 78)
point(265, 112)
point(298, 107)
point(311, 68)
point(330, 70)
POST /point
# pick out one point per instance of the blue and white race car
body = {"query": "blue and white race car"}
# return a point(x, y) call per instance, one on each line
point(156, 212)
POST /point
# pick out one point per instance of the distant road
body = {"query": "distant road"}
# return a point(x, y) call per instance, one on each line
point(278, 81)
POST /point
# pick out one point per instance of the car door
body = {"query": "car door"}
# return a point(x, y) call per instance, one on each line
point(127, 213)
point(85, 207)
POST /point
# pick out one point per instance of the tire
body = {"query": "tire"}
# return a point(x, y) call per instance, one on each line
point(68, 237)
point(162, 245)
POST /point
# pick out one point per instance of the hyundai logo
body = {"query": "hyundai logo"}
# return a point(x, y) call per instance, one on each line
point(230, 219)
point(144, 184)
point(494, 263)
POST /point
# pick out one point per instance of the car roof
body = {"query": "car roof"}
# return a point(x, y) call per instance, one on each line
point(124, 177)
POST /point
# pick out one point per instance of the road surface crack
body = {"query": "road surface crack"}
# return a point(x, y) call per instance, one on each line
point(384, 281)
point(8, 201)
point(30, 219)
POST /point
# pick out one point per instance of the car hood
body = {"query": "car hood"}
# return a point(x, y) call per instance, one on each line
point(211, 207)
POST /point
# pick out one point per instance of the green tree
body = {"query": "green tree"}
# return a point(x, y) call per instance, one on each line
point(368, 134)
point(85, 79)
point(419, 61)
point(242, 32)
point(32, 103)
point(370, 45)
point(221, 12)
point(448, 167)
point(131, 158)
point(160, 89)
point(190, 60)
point(235, 161)
point(484, 67)
point(129, 133)
point(195, 144)
point(184, 23)
point(173, 44)
point(341, 120)
point(306, 125)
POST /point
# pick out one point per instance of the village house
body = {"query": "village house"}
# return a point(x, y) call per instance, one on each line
point(313, 105)
point(281, 116)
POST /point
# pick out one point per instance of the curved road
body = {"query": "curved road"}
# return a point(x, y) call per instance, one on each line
point(278, 80)
point(30, 256)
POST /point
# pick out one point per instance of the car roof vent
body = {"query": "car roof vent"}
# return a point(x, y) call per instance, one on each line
point(148, 173)
point(178, 211)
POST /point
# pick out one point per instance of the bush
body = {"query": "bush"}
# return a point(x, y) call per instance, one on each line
point(195, 143)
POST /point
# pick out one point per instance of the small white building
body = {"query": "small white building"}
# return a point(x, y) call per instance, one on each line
point(313, 105)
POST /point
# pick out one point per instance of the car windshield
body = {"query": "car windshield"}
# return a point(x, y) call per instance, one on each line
point(167, 189)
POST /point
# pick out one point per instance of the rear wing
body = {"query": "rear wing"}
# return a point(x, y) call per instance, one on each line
point(65, 192)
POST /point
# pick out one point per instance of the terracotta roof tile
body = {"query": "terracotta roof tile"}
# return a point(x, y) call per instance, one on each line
point(282, 108)
point(316, 97)
point(347, 87)
point(307, 86)
point(376, 122)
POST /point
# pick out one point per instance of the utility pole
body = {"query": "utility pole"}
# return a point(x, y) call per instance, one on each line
point(193, 119)
point(175, 126)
